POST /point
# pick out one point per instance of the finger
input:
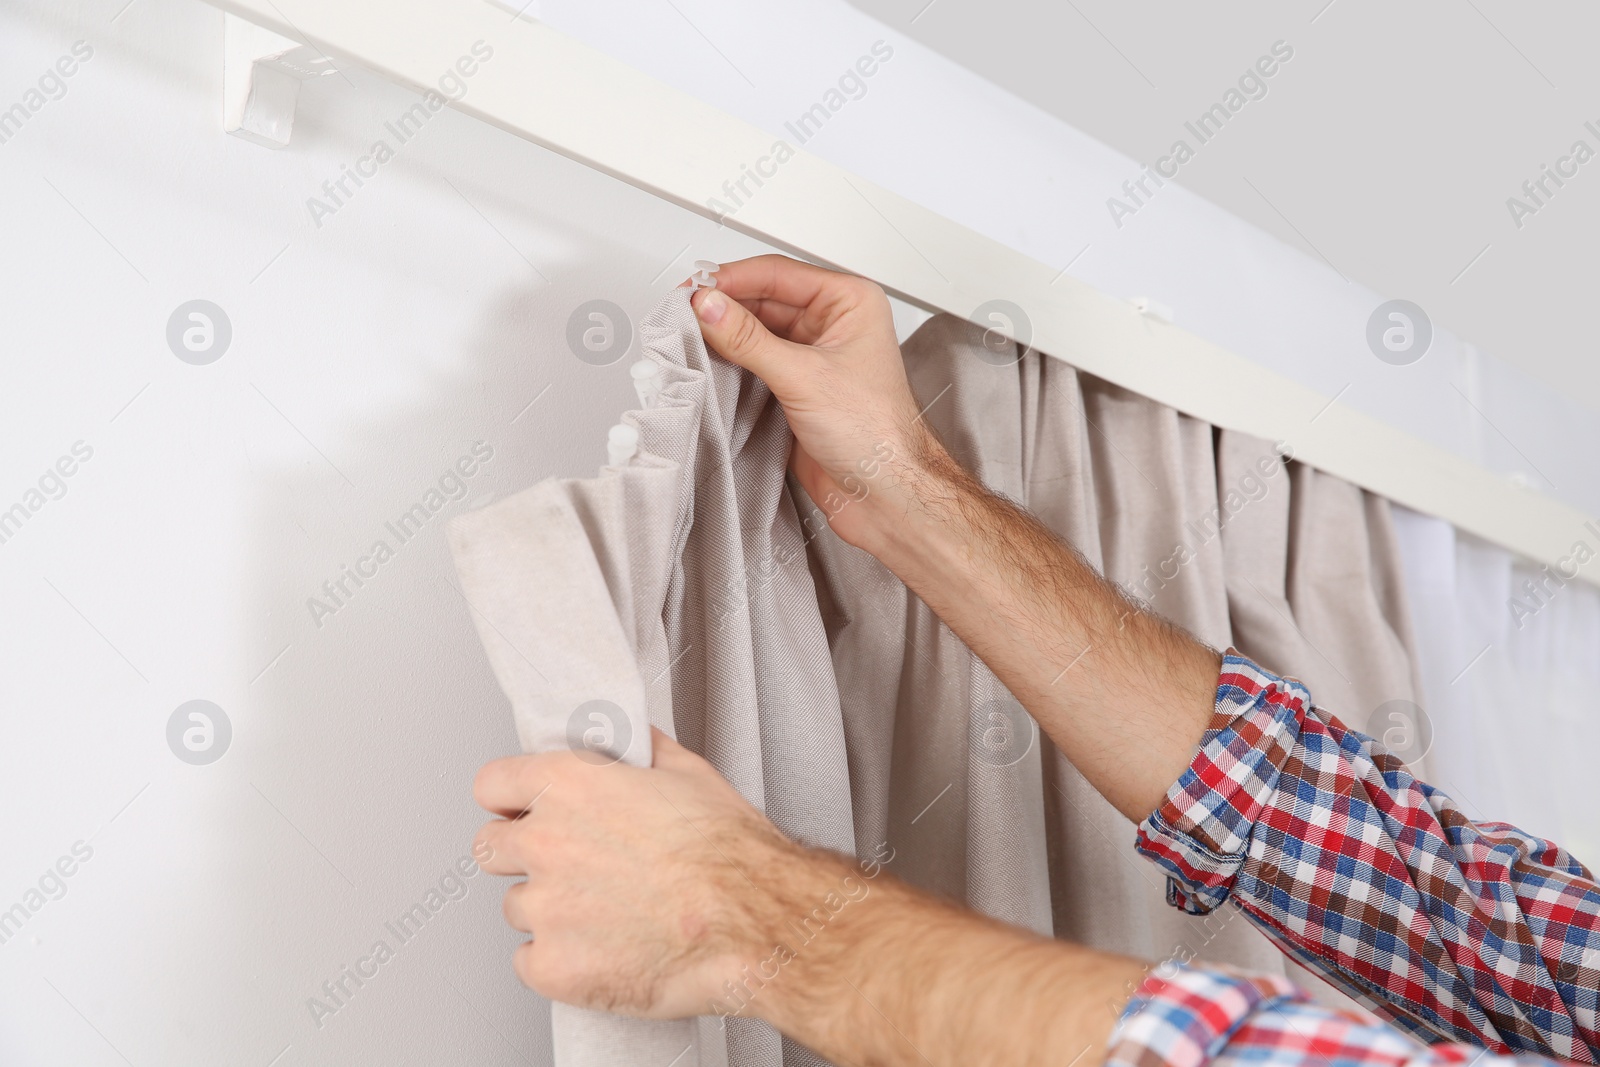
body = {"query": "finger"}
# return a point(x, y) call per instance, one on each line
point(536, 968)
point(819, 296)
point(775, 315)
point(493, 848)
point(517, 907)
point(739, 337)
point(781, 278)
point(803, 326)
point(511, 786)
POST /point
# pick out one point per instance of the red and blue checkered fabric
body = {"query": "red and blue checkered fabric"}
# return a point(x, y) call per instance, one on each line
point(1195, 1017)
point(1456, 931)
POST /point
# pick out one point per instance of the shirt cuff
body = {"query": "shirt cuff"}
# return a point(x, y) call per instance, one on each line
point(1185, 1016)
point(1202, 830)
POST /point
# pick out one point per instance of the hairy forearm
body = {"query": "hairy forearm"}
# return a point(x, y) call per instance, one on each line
point(1125, 694)
point(899, 977)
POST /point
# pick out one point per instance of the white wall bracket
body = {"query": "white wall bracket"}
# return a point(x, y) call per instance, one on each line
point(261, 76)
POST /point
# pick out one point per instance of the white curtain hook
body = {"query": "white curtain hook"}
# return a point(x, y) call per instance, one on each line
point(646, 375)
point(622, 442)
point(704, 276)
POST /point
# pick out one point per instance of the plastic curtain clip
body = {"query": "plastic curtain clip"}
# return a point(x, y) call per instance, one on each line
point(704, 276)
point(646, 375)
point(622, 442)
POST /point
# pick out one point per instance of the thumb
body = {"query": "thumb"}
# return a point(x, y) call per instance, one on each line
point(738, 336)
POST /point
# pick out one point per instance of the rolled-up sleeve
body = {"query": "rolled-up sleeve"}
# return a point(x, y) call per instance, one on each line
point(1213, 1017)
point(1455, 930)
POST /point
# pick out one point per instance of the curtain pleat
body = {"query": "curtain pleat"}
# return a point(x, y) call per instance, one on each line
point(1119, 477)
point(1358, 661)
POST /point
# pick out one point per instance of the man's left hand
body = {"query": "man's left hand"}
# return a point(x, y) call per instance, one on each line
point(646, 890)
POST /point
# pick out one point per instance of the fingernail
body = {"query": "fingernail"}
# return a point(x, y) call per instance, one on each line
point(711, 307)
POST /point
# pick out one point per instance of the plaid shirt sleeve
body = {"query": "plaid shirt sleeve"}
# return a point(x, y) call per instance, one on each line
point(1454, 930)
point(1213, 1017)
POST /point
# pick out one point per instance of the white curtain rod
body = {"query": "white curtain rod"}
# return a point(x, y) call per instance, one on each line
point(571, 99)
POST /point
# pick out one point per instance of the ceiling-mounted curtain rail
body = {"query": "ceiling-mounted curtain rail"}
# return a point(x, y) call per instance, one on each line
point(571, 99)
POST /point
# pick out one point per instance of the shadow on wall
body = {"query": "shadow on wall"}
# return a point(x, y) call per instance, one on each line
point(376, 719)
point(381, 937)
point(347, 921)
point(245, 920)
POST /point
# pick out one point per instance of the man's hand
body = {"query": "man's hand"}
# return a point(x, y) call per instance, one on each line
point(661, 893)
point(1125, 694)
point(824, 343)
point(636, 892)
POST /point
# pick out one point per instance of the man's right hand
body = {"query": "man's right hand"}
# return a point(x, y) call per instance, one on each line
point(1124, 694)
point(824, 343)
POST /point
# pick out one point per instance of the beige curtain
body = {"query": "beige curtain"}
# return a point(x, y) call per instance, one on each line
point(694, 589)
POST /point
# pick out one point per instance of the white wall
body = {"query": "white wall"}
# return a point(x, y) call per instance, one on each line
point(1391, 143)
point(367, 355)
point(367, 358)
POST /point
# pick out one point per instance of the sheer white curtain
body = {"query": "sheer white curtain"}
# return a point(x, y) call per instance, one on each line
point(1510, 681)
